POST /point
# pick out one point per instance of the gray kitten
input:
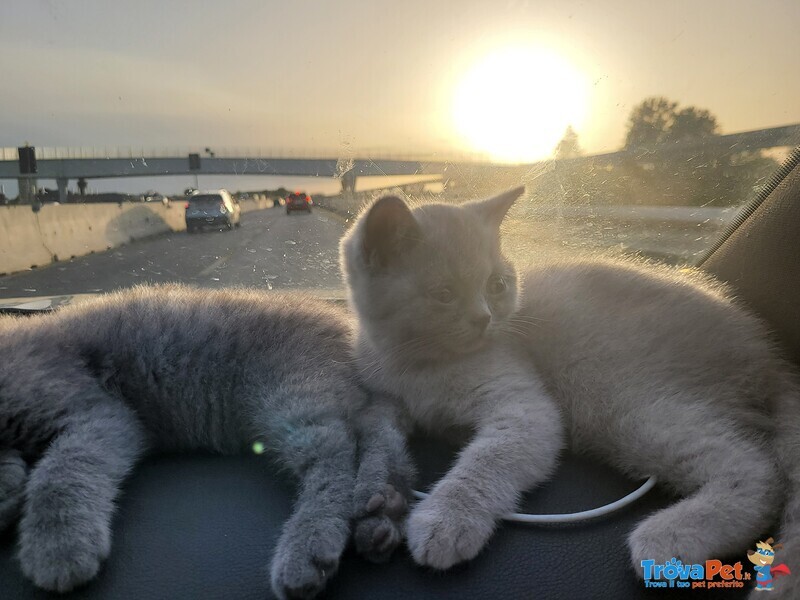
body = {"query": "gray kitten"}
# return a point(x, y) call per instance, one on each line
point(656, 371)
point(87, 390)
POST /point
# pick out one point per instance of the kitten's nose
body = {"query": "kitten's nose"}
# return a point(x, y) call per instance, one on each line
point(481, 322)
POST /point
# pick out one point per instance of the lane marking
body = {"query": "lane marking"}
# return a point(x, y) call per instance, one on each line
point(213, 266)
point(243, 245)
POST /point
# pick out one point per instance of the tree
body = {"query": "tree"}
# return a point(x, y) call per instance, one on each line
point(568, 147)
point(696, 175)
point(657, 121)
point(692, 123)
point(650, 122)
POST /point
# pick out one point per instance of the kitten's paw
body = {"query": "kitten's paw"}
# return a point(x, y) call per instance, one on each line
point(441, 534)
point(660, 539)
point(13, 475)
point(59, 554)
point(380, 524)
point(307, 556)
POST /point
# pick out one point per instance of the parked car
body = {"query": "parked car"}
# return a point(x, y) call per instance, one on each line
point(298, 201)
point(215, 209)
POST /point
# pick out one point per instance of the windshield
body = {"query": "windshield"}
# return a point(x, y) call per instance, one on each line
point(637, 128)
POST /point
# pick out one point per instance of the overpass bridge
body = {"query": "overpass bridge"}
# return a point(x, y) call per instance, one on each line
point(65, 164)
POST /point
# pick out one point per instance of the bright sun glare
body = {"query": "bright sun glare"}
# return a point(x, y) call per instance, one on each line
point(516, 103)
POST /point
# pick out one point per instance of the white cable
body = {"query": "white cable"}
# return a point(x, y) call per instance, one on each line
point(577, 516)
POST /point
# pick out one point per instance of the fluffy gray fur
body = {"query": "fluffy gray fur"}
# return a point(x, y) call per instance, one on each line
point(87, 390)
point(654, 370)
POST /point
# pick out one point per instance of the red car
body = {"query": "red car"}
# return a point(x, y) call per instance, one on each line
point(298, 201)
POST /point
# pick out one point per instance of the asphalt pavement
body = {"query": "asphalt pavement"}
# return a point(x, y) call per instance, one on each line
point(271, 250)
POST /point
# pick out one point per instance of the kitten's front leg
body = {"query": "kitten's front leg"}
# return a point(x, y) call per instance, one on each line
point(516, 446)
point(65, 531)
point(13, 475)
point(307, 430)
point(383, 482)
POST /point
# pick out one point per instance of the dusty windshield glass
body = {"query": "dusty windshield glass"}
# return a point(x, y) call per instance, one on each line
point(636, 129)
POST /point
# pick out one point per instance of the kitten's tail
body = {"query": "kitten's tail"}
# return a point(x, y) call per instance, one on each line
point(787, 449)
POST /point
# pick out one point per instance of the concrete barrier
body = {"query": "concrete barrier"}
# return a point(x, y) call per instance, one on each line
point(347, 205)
point(21, 244)
point(251, 205)
point(60, 232)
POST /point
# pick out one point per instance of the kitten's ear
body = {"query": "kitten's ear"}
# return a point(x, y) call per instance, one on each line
point(494, 209)
point(389, 230)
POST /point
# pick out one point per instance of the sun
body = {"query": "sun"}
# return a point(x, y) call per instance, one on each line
point(516, 103)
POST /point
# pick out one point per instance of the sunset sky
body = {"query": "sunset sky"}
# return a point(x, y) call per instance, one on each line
point(362, 77)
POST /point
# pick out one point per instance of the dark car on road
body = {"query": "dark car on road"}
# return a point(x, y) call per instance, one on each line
point(298, 201)
point(215, 209)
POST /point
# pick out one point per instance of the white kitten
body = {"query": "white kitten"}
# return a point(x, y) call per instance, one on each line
point(655, 371)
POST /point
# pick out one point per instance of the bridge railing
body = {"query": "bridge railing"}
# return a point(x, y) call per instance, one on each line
point(99, 152)
point(9, 153)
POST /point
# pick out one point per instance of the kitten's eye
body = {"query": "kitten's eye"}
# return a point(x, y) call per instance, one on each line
point(496, 285)
point(444, 295)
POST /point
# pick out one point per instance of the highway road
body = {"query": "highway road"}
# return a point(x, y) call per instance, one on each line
point(271, 250)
